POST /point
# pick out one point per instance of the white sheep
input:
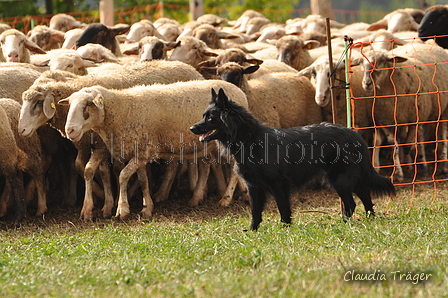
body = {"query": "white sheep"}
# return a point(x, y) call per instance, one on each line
point(241, 23)
point(397, 20)
point(154, 131)
point(96, 53)
point(16, 47)
point(151, 47)
point(192, 51)
point(39, 107)
point(64, 59)
point(15, 79)
point(141, 29)
point(64, 22)
point(418, 64)
point(70, 38)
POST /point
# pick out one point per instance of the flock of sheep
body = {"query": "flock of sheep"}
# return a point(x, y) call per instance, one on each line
point(106, 102)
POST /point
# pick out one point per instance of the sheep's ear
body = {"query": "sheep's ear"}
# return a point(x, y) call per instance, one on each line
point(381, 24)
point(356, 61)
point(64, 102)
point(306, 71)
point(33, 47)
point(250, 69)
point(209, 70)
point(99, 101)
point(252, 60)
point(311, 44)
point(49, 108)
point(396, 59)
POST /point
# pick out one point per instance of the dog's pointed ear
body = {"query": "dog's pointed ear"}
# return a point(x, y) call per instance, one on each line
point(214, 96)
point(222, 100)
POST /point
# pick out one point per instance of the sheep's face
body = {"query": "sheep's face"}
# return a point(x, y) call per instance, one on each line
point(37, 108)
point(191, 51)
point(86, 112)
point(13, 47)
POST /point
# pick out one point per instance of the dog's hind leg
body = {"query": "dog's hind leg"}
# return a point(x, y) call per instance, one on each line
point(364, 196)
point(257, 202)
point(280, 191)
point(341, 183)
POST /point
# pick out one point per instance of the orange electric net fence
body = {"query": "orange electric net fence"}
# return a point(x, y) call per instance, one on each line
point(402, 85)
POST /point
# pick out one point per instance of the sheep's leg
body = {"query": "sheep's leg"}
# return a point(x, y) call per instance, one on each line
point(421, 156)
point(108, 196)
point(244, 192)
point(70, 199)
point(398, 172)
point(148, 205)
point(192, 174)
point(16, 180)
point(123, 179)
point(376, 151)
point(89, 173)
point(168, 179)
point(4, 199)
point(227, 198)
point(221, 184)
point(201, 186)
point(444, 151)
point(41, 195)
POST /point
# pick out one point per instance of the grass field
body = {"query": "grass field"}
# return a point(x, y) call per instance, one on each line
point(206, 252)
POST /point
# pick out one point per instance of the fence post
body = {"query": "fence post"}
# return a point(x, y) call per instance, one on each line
point(347, 77)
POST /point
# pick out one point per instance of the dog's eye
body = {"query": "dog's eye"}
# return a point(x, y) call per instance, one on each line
point(209, 118)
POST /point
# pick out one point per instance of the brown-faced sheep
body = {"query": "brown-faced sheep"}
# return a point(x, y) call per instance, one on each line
point(294, 51)
point(46, 38)
point(40, 100)
point(153, 130)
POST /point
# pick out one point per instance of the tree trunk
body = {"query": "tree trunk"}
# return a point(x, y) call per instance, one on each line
point(49, 6)
point(322, 7)
point(196, 9)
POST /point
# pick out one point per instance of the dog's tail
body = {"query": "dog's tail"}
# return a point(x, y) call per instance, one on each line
point(379, 185)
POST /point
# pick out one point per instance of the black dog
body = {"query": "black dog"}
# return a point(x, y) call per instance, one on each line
point(276, 161)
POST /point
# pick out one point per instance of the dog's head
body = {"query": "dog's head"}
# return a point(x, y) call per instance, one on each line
point(212, 126)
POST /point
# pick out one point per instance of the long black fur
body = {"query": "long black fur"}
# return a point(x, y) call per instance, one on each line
point(277, 161)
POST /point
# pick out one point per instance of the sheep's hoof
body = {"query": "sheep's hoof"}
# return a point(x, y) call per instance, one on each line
point(159, 197)
point(107, 212)
point(122, 213)
point(86, 215)
point(225, 201)
point(193, 202)
point(41, 211)
point(146, 213)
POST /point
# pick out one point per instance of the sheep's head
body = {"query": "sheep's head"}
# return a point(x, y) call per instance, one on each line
point(377, 68)
point(192, 51)
point(86, 112)
point(37, 108)
point(15, 46)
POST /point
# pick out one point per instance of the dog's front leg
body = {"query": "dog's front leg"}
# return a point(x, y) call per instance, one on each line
point(257, 201)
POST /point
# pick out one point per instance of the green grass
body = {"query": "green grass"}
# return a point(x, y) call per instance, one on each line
point(205, 253)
